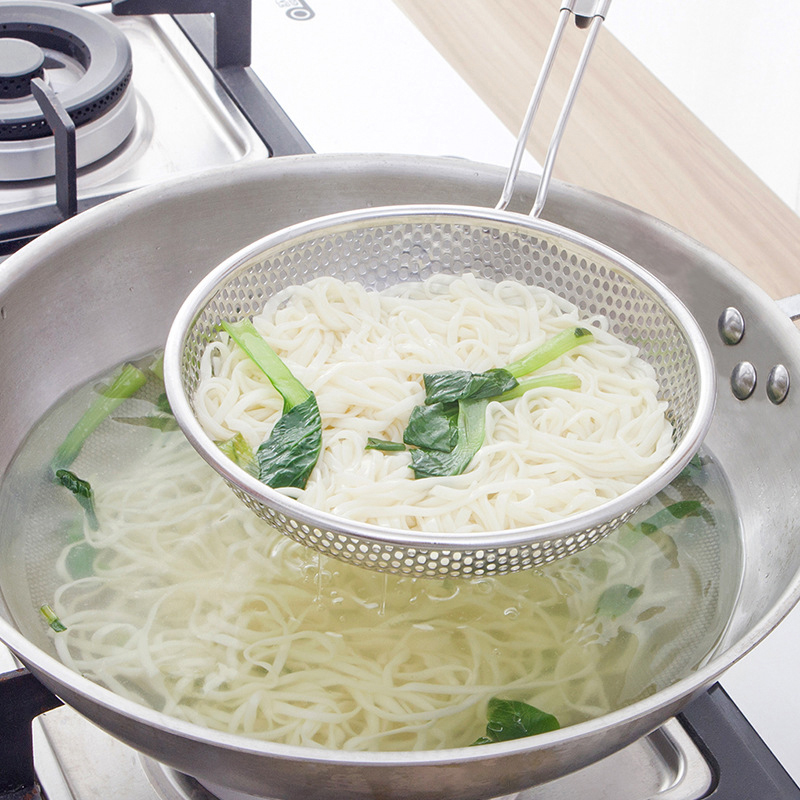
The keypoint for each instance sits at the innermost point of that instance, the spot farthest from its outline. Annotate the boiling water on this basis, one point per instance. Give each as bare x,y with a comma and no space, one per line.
183,600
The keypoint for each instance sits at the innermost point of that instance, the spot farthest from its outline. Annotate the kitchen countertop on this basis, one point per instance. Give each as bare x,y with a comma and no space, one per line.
629,138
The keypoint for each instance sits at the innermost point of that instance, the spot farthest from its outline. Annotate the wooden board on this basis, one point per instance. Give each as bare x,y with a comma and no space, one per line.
628,138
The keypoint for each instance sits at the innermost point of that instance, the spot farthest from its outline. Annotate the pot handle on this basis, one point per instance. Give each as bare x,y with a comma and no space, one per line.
790,306
588,13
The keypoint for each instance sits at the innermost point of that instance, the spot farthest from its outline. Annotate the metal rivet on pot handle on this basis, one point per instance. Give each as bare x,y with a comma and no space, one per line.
589,13
731,325
778,384
743,380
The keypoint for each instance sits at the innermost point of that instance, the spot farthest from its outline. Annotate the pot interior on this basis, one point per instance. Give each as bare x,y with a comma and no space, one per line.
105,287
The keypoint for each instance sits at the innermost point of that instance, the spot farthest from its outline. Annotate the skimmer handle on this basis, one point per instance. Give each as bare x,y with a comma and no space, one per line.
588,13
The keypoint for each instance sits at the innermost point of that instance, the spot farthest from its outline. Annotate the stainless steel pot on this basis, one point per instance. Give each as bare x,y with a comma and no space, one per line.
106,285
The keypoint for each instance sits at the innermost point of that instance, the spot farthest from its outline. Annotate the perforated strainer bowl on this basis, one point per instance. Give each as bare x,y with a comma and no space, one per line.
382,247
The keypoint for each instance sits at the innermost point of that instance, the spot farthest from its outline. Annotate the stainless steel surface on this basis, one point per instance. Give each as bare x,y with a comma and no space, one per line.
778,383
581,8
731,325
665,765
342,247
588,8
35,158
76,760
743,380
87,62
415,243
530,114
183,123
113,278
561,123
790,306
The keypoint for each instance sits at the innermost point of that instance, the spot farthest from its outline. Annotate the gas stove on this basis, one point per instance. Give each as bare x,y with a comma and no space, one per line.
140,96
177,93
134,100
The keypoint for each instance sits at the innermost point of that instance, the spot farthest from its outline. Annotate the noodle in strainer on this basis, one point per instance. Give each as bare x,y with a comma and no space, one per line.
392,246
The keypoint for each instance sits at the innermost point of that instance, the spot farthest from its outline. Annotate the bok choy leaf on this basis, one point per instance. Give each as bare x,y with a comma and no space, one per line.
239,451
513,719
450,428
433,427
52,619
448,387
82,490
384,445
430,463
125,385
289,454
617,599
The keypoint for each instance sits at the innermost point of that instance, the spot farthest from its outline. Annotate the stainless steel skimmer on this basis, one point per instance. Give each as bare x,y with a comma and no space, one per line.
380,247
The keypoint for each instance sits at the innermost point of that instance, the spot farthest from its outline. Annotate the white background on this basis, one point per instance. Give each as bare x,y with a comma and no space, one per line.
736,65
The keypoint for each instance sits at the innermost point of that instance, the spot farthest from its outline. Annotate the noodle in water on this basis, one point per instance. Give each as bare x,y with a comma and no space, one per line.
196,608
175,595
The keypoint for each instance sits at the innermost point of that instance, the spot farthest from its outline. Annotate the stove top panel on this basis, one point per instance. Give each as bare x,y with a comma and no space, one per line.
184,122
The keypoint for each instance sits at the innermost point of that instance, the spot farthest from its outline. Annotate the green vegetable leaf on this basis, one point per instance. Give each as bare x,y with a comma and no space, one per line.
290,452
125,385
384,445
550,350
450,428
238,451
448,387
617,599
244,333
513,719
80,560
555,380
162,404
52,619
433,427
679,510
694,469
471,432
72,530
82,491
157,366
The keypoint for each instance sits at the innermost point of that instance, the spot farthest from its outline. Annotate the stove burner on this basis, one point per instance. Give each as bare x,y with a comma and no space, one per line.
84,57
20,62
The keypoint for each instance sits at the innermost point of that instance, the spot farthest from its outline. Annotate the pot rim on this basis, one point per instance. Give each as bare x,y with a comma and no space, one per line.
672,697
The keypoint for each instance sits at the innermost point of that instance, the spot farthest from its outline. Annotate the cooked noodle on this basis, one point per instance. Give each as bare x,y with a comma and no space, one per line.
199,610
547,455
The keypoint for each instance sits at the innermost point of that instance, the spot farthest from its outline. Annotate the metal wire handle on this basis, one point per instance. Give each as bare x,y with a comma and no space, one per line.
588,13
